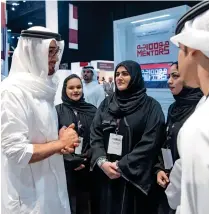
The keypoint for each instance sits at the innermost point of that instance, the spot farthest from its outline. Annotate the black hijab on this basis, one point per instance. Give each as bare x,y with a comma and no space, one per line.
80,106
185,104
126,102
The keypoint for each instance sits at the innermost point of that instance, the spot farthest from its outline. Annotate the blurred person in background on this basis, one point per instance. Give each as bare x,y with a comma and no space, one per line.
125,137
93,92
109,87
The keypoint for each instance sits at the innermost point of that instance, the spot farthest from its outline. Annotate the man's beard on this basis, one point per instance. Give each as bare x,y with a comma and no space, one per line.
87,79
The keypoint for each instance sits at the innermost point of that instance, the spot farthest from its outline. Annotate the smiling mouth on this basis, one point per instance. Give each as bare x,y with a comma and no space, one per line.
120,83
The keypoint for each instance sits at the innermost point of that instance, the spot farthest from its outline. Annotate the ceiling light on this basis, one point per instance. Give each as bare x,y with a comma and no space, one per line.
24,1
157,17
15,4
13,8
13,37
9,30
30,23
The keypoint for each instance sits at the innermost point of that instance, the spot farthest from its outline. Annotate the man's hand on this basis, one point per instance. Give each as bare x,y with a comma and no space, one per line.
110,170
69,139
162,179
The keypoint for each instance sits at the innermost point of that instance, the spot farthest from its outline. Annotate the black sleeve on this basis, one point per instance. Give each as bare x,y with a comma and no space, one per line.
58,110
143,157
159,163
96,136
159,166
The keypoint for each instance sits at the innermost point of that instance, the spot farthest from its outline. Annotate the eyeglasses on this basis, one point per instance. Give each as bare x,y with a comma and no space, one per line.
54,52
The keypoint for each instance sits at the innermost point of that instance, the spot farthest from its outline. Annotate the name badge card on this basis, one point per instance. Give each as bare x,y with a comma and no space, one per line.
115,144
167,158
78,149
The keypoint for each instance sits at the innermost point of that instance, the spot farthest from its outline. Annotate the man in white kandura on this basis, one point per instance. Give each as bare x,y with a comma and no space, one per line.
33,174
93,92
190,176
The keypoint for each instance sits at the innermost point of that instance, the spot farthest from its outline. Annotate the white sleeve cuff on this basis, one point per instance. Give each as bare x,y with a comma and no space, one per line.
26,156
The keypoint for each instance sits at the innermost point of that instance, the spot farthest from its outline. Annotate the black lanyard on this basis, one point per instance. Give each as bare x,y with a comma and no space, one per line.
117,128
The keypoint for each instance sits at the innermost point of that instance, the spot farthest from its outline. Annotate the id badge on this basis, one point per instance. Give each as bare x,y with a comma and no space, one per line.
167,158
78,149
115,144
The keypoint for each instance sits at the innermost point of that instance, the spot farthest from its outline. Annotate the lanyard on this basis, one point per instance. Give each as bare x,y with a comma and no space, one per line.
79,125
117,128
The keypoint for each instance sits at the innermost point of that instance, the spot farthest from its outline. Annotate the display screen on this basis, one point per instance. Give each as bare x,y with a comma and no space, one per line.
155,72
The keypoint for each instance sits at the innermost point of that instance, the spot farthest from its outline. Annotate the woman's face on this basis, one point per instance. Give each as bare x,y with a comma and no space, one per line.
74,89
122,78
174,82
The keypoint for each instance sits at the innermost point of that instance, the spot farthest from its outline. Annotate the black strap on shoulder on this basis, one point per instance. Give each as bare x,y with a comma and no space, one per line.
40,34
191,14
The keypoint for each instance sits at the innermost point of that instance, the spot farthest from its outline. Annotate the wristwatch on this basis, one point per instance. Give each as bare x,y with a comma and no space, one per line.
101,161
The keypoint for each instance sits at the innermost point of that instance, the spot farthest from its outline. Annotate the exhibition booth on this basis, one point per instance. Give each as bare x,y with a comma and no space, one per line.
104,68
146,39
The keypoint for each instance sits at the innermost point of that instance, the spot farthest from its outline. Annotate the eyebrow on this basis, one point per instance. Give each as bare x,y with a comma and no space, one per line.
121,71
174,72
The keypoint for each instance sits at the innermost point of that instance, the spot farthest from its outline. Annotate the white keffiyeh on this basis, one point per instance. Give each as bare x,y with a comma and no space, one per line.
195,34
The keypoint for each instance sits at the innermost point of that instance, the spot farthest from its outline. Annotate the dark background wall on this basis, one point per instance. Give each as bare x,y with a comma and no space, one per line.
95,24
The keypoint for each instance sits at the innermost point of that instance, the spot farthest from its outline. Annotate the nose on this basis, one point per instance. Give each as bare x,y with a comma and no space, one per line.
54,59
120,76
170,81
85,72
57,58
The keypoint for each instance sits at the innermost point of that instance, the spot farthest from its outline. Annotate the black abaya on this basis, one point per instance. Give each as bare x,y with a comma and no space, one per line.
184,105
142,127
79,183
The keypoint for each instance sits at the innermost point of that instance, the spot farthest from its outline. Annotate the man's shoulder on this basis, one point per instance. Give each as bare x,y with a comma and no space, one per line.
13,97
12,91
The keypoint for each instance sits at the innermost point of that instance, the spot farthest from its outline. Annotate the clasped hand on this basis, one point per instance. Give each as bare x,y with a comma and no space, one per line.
110,169
69,139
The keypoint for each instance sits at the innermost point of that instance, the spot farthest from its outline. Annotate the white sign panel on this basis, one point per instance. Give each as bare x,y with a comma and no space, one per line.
152,42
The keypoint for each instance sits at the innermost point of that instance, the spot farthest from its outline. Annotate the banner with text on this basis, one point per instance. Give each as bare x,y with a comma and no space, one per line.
152,42
155,75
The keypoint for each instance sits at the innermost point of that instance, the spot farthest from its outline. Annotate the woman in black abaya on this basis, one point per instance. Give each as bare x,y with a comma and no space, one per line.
125,138
186,100
75,110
